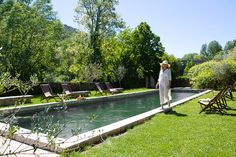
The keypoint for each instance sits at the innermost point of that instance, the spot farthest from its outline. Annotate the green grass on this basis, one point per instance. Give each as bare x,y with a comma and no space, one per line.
136,90
184,132
37,98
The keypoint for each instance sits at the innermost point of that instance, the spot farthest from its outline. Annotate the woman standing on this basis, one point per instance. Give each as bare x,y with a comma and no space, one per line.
164,83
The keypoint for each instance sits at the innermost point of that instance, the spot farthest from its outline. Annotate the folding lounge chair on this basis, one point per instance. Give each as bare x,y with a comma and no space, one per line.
101,88
217,103
229,93
47,92
113,90
67,90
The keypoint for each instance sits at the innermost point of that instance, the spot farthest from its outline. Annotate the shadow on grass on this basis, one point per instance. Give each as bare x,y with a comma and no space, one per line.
232,109
172,112
223,114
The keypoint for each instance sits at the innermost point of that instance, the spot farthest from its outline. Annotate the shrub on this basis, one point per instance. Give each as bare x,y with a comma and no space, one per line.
213,74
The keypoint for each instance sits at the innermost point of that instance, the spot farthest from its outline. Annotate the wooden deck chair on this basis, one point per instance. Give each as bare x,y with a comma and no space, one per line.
67,90
217,103
47,92
222,100
101,88
229,93
111,89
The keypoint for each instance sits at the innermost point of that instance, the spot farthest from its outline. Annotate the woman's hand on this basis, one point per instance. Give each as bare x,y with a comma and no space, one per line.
157,85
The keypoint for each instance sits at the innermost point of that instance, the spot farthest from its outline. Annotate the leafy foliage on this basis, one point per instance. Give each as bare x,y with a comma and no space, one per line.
213,74
42,122
193,57
86,73
231,54
7,83
141,52
230,45
29,35
188,66
100,20
73,52
210,50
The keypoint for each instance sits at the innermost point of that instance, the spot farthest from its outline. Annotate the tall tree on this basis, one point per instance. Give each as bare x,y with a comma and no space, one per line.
211,50
147,48
141,54
230,45
214,48
204,52
99,19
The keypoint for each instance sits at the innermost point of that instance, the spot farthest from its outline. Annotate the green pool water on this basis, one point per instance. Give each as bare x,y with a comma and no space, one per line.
79,117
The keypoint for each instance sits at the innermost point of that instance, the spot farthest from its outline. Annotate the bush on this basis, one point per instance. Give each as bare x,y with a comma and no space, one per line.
213,74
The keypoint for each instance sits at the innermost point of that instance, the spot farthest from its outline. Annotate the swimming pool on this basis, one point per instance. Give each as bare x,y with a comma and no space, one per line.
105,112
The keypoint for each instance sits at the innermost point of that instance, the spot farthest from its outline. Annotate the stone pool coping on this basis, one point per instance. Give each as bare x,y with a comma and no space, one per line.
93,136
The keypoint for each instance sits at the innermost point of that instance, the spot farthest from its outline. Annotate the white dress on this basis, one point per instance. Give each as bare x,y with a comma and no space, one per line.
164,90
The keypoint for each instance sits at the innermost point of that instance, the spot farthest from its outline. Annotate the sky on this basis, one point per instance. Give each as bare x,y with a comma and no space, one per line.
183,25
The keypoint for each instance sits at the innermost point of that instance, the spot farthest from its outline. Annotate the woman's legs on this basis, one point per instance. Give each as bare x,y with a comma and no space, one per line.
162,95
165,97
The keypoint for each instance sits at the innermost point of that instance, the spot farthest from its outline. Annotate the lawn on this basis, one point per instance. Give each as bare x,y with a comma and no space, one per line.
183,132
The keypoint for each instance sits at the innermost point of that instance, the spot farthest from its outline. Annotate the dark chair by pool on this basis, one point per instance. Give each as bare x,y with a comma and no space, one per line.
74,94
216,103
113,90
101,88
47,92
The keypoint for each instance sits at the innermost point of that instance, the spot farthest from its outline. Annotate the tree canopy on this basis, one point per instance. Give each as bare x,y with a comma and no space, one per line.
99,19
210,50
29,32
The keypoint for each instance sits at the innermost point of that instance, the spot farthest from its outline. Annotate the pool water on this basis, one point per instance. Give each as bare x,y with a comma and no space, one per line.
79,117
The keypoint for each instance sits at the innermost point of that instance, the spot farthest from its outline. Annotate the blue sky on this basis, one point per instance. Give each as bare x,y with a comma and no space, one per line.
183,25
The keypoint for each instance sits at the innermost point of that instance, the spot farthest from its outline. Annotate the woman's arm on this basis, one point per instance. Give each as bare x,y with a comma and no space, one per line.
169,77
157,84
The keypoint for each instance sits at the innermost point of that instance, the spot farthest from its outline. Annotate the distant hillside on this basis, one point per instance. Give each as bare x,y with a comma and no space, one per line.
69,30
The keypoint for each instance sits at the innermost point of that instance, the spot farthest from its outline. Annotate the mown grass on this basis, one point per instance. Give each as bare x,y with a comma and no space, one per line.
183,132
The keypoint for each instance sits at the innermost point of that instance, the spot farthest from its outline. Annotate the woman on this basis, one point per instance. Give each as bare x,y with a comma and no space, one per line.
164,83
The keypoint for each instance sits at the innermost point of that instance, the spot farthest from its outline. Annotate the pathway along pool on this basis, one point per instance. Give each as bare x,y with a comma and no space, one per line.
91,116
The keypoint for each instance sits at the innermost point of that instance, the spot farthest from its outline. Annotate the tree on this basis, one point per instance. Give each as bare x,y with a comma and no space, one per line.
73,51
29,32
192,57
120,73
231,54
147,48
87,73
214,48
188,66
112,49
141,53
230,45
211,50
99,19
203,51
